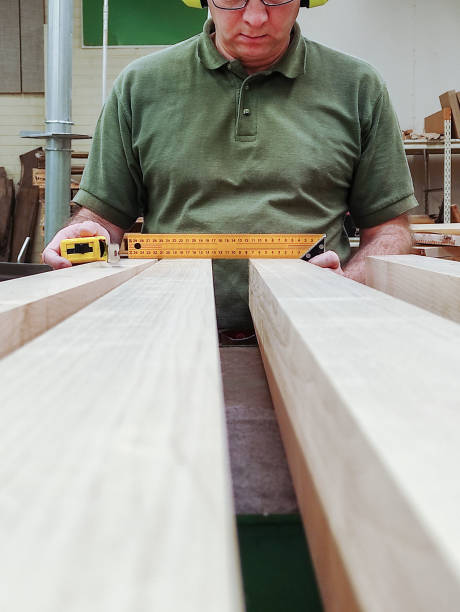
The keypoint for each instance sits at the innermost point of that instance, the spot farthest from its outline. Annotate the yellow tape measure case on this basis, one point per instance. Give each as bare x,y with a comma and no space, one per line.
84,250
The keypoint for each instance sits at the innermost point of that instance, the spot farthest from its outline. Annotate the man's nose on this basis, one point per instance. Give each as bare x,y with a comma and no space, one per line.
255,13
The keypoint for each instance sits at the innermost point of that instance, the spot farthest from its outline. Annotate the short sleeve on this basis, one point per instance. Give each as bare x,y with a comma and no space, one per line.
112,184
382,186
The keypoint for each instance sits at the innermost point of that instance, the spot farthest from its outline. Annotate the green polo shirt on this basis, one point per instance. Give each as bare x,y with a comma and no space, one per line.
193,143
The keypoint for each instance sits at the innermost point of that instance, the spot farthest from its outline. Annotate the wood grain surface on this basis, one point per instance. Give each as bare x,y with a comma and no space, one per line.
367,393
115,488
32,304
436,228
427,282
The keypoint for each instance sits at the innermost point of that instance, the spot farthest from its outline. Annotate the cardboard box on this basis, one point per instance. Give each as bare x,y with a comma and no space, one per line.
434,124
449,100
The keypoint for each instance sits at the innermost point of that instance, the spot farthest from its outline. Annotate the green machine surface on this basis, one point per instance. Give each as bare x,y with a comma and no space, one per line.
142,22
277,570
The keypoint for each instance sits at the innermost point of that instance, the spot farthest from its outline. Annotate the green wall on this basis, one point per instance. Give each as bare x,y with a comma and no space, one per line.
141,22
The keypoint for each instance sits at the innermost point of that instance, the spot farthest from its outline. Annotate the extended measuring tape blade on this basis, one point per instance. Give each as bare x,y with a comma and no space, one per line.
222,246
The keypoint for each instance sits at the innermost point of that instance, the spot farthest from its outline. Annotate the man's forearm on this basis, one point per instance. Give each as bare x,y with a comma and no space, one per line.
392,238
84,214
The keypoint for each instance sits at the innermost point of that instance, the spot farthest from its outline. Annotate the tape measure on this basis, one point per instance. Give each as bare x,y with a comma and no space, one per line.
89,249
224,246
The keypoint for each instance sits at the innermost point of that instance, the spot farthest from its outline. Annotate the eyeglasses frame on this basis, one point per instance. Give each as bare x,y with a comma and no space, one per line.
240,8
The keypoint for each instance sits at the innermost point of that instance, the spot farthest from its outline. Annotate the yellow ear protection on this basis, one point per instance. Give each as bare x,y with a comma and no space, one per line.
203,3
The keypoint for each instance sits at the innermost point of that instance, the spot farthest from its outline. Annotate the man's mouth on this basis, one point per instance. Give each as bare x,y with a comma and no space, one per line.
252,37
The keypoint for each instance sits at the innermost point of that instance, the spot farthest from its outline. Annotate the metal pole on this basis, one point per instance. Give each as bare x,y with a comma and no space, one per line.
105,31
447,113
58,114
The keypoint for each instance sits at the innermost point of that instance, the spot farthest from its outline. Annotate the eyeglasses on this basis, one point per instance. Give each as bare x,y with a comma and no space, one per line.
237,5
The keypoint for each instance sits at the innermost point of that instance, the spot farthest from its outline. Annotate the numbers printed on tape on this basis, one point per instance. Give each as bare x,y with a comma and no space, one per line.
220,246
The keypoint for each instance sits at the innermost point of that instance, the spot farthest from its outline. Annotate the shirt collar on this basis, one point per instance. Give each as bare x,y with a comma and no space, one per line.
292,64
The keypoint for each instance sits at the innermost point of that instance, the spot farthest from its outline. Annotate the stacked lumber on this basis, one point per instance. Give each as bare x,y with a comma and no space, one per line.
115,478
366,392
437,239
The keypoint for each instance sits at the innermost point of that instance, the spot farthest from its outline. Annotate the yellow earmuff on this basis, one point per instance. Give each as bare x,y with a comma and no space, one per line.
203,3
195,3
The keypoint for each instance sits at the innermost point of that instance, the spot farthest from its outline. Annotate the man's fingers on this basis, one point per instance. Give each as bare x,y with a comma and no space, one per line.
52,253
54,260
329,259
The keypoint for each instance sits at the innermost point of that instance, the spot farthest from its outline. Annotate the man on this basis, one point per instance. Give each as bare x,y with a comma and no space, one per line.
248,128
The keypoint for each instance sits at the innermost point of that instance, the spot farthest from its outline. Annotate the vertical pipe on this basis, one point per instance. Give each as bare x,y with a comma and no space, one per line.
105,31
58,114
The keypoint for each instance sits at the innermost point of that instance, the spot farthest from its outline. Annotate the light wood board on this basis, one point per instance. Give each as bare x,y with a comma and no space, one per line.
114,470
32,304
367,395
444,252
427,282
436,228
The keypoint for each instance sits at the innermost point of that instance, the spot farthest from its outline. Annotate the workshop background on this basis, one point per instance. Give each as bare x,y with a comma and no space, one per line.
413,44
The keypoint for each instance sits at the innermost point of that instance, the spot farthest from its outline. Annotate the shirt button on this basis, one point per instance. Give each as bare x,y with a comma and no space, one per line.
246,87
246,112
229,67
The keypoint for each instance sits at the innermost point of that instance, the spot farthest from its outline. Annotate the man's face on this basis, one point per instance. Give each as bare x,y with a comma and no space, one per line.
257,35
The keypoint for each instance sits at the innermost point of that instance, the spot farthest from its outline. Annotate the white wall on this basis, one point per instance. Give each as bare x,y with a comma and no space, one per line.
414,44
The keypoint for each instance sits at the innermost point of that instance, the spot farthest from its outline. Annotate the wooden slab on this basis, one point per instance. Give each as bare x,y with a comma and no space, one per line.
25,218
115,476
439,251
436,228
6,212
367,395
31,305
427,282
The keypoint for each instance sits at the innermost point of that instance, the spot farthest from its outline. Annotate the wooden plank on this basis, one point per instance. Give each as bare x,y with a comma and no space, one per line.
31,305
436,228
27,204
6,213
449,100
447,240
115,476
439,251
371,430
25,219
32,46
10,49
427,282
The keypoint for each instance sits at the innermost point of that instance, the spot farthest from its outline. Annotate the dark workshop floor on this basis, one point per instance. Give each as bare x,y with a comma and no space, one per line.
277,571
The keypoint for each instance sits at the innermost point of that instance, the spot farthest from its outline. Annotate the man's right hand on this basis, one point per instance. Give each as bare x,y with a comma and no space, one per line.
52,253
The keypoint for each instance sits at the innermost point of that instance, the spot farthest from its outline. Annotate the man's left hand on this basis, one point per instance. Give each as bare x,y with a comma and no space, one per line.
329,260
